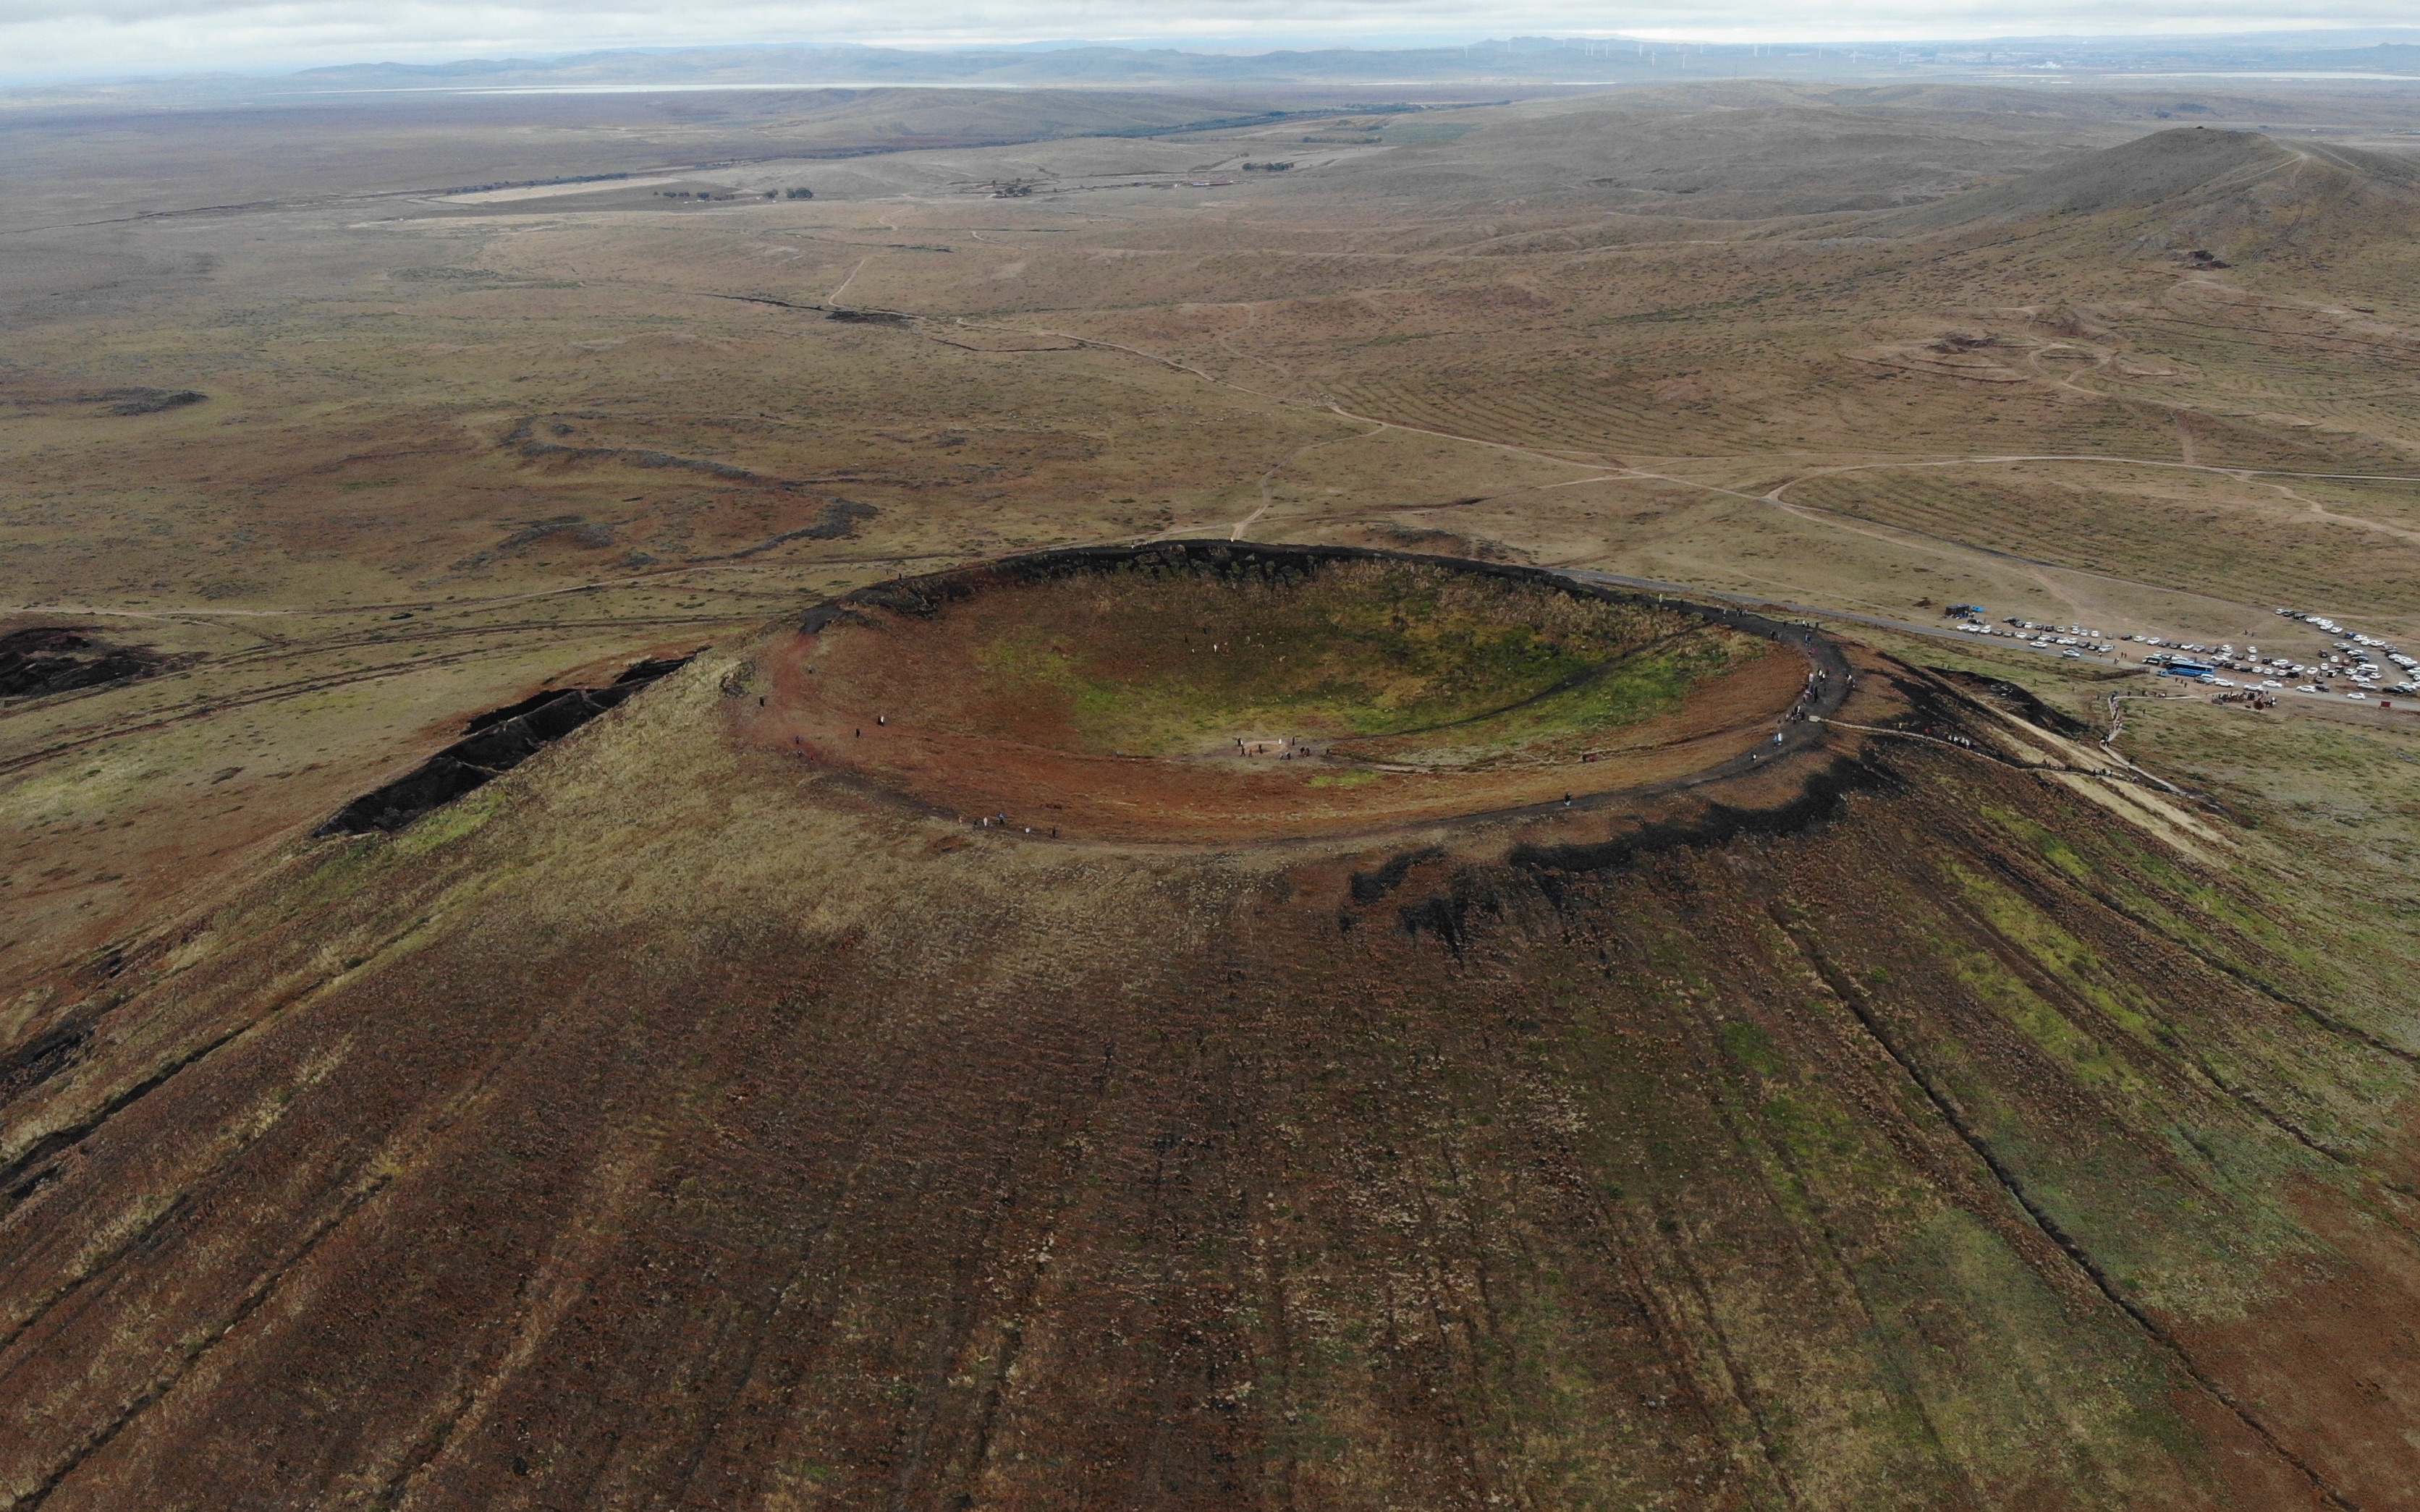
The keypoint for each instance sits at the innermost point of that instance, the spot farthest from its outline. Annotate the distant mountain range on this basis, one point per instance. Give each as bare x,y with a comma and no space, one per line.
1513,61
1520,58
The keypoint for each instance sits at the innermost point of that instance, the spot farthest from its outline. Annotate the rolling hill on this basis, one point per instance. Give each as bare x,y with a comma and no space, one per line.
2208,192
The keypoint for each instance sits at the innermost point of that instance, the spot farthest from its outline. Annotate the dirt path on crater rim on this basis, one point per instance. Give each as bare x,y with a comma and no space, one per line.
847,718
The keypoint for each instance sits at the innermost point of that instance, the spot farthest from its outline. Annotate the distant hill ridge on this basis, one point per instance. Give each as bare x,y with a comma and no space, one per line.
2215,195
1533,59
2146,171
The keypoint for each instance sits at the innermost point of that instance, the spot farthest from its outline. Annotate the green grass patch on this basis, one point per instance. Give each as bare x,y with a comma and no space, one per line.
1345,780
1395,661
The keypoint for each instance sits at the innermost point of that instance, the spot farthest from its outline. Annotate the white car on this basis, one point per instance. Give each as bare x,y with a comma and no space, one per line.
2363,696
2308,687
2221,682
2270,682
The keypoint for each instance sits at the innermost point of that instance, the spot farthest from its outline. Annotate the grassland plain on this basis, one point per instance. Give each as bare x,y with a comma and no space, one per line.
677,1120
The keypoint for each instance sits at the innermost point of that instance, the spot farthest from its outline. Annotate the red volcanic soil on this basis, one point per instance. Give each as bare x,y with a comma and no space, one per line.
912,697
682,1122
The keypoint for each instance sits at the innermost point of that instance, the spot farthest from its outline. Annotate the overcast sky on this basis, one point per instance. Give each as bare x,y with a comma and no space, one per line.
65,39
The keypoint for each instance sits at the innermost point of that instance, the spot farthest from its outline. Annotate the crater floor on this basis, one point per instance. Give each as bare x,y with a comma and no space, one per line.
1211,691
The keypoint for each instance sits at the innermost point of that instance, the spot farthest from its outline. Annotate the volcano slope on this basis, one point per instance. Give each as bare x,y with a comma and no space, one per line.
694,1118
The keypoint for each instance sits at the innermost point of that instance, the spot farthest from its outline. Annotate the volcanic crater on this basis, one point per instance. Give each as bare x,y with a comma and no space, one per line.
1212,691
